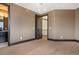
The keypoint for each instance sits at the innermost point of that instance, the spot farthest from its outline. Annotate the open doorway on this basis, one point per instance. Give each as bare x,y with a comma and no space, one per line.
44,27
4,16
41,27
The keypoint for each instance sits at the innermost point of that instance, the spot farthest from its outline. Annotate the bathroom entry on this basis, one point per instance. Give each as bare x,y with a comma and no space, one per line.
41,27
3,25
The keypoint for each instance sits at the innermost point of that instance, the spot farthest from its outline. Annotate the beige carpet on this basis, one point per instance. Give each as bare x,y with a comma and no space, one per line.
42,47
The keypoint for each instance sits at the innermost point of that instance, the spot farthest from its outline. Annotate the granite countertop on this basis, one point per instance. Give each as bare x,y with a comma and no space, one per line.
4,31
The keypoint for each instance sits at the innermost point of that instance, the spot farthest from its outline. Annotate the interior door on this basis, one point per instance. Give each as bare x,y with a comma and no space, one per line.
38,27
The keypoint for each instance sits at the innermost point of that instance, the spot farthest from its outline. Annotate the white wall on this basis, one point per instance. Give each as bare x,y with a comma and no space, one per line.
77,24
22,24
61,24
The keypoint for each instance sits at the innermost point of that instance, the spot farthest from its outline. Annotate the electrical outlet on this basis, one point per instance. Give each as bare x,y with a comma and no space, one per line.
21,38
61,37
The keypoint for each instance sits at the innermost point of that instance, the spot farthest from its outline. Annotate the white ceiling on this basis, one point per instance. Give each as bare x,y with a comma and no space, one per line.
46,7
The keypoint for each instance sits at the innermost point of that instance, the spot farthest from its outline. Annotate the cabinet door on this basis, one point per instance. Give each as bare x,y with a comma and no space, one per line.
2,37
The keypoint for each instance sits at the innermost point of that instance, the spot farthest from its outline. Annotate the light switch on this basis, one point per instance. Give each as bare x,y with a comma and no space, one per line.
61,37
21,38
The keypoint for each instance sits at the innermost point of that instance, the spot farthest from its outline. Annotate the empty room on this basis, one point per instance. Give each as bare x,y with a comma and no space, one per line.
39,28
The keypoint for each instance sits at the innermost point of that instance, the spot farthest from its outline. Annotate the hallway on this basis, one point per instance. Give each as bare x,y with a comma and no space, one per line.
42,47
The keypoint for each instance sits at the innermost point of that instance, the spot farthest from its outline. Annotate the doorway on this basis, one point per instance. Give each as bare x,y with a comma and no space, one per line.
4,22
44,27
41,27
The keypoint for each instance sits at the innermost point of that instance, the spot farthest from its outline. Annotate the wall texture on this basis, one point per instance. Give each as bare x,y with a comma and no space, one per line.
22,24
61,24
77,24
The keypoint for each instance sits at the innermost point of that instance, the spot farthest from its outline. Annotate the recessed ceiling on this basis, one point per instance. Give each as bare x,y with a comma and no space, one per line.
3,7
46,7
3,10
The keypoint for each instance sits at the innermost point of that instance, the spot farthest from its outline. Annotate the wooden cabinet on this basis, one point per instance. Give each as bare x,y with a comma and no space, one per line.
3,36
3,29
5,23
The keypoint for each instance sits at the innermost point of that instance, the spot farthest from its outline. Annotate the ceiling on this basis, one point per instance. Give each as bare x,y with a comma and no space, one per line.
3,7
46,7
3,10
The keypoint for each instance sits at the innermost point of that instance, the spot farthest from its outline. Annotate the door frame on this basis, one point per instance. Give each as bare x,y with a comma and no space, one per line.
41,23
47,25
8,21
36,26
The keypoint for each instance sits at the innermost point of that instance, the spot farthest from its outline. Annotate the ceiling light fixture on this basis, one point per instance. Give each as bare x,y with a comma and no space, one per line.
40,7
40,4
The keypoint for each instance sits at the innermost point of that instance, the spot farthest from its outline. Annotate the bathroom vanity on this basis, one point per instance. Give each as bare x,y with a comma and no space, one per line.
3,29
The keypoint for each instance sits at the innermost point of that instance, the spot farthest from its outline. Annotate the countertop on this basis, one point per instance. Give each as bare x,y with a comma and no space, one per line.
4,31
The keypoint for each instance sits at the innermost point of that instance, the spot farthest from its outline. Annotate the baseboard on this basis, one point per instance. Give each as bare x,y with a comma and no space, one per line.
22,41
64,40
48,39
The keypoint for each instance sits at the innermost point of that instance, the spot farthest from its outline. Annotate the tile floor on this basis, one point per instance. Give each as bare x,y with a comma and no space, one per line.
42,47
4,44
